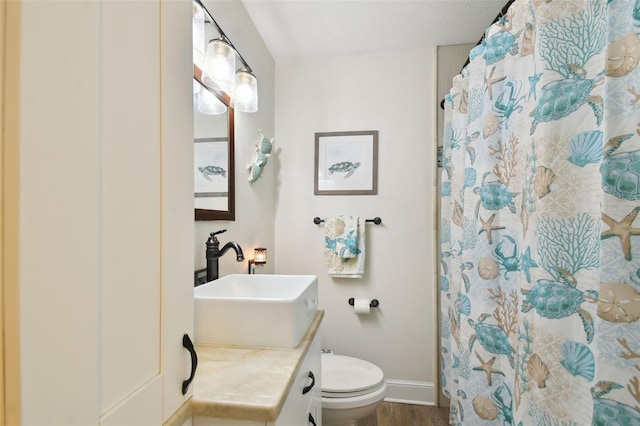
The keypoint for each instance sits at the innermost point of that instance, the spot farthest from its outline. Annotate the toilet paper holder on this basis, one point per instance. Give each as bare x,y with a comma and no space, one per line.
374,302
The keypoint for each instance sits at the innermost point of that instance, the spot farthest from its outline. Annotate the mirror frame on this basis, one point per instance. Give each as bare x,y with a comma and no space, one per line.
230,213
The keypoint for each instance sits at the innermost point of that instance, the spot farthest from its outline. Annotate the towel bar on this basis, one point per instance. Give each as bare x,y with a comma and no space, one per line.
375,220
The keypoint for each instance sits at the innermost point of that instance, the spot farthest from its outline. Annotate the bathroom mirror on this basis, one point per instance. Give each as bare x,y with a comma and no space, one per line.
214,183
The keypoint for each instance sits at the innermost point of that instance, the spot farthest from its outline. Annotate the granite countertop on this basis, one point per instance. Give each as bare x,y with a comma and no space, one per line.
245,382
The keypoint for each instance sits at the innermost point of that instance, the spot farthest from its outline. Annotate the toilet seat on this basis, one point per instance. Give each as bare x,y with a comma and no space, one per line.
347,377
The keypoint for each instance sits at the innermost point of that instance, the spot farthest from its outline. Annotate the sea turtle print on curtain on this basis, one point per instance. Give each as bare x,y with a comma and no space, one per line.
540,246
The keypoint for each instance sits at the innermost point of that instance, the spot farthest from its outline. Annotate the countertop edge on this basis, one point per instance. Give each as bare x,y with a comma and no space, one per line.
202,406
181,415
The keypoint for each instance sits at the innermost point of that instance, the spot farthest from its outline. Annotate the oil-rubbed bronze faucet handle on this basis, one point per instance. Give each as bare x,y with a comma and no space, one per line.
218,232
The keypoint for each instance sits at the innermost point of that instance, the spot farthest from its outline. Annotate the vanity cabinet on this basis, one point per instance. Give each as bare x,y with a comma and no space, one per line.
304,398
260,377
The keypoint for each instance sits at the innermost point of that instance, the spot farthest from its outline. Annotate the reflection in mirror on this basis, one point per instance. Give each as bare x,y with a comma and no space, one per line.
214,184
215,78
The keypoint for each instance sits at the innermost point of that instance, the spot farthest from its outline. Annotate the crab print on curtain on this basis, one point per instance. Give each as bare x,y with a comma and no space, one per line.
540,246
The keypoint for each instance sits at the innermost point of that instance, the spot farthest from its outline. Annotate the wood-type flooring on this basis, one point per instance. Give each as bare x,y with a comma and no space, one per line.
394,414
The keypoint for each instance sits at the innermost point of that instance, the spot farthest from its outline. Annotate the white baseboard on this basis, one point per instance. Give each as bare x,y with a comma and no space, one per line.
411,392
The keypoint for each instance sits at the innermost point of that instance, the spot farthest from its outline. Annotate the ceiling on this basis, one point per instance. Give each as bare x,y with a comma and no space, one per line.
293,29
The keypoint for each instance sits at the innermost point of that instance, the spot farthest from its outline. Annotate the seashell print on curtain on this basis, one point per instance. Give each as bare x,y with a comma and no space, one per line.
540,240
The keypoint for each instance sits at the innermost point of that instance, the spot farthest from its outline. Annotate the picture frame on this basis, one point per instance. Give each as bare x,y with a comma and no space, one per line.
211,173
346,163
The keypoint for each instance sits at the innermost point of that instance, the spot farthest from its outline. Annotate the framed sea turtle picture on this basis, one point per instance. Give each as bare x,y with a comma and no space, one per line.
346,163
211,173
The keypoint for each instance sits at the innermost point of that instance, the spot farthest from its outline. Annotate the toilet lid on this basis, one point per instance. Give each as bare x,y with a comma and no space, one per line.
344,374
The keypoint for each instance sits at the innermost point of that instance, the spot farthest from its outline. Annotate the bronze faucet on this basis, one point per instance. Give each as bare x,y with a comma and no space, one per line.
214,253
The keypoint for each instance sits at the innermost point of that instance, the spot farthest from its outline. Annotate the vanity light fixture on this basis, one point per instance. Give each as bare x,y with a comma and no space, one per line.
208,103
220,64
219,67
259,259
245,95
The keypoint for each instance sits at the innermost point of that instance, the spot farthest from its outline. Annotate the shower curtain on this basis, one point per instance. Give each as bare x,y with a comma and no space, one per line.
540,246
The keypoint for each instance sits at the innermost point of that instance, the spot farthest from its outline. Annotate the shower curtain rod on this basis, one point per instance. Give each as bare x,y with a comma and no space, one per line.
502,13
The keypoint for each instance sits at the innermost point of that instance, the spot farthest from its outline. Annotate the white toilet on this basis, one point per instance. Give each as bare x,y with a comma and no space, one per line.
352,389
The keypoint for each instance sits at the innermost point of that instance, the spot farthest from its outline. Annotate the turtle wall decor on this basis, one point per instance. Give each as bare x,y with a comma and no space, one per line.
263,149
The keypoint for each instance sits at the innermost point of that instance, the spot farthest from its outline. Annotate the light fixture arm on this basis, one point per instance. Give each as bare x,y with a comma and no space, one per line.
223,35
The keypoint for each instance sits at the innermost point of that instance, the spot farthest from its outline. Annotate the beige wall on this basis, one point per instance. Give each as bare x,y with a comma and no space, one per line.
392,93
253,226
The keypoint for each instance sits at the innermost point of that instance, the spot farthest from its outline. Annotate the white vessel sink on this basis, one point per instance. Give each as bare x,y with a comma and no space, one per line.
255,310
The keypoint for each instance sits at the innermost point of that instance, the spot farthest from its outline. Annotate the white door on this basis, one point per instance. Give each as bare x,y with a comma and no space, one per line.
106,217
146,291
131,214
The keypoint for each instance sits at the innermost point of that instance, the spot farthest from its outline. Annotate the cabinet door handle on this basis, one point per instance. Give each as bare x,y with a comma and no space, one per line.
188,344
312,420
306,389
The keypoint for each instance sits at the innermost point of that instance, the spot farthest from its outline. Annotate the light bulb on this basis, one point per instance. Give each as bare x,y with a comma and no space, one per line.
245,92
242,93
220,64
